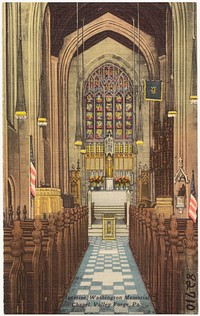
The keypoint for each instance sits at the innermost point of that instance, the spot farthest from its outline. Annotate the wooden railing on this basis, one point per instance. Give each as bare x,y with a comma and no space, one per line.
166,253
41,258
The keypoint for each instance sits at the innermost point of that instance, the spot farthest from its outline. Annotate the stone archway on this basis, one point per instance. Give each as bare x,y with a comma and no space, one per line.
106,22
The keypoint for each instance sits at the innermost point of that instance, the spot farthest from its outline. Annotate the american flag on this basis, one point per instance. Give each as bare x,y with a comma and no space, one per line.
32,169
193,202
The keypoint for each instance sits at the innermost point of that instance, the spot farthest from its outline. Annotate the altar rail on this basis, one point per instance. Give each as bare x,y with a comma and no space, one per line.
41,258
166,253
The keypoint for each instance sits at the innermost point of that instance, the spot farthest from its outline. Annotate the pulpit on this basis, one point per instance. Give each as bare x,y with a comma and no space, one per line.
47,200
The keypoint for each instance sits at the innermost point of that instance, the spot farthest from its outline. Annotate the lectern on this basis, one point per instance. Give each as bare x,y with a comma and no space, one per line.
108,226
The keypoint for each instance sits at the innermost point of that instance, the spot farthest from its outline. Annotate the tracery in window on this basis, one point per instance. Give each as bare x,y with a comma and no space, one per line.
109,104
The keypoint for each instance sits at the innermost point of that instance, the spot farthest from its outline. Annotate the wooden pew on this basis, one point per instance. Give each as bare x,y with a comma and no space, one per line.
44,259
160,246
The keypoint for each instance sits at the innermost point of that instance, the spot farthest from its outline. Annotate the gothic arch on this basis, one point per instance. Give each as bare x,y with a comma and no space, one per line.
118,60
11,183
109,22
106,22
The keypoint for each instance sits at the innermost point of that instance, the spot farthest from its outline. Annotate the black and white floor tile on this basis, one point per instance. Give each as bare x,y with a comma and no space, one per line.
108,282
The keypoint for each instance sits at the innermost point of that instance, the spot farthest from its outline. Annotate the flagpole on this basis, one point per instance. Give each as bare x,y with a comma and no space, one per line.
193,205
32,175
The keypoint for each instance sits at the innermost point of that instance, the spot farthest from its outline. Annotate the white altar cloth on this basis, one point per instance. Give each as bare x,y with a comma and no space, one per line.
109,198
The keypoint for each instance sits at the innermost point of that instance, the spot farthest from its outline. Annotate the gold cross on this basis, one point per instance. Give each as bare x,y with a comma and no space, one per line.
153,90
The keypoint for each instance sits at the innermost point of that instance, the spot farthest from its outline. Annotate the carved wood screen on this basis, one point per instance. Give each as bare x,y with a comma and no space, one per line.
75,184
109,108
161,155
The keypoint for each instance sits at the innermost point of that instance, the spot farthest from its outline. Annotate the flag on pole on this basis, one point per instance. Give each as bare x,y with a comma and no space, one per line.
193,202
32,169
152,90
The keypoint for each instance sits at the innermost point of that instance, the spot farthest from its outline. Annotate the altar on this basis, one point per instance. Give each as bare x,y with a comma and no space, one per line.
105,201
109,198
109,167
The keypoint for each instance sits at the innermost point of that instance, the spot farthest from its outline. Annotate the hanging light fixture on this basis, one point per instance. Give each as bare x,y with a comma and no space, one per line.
139,141
78,138
20,112
139,134
42,121
193,85
135,150
172,112
83,148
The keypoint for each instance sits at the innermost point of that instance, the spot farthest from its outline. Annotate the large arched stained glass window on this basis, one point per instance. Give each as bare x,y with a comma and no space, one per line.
109,104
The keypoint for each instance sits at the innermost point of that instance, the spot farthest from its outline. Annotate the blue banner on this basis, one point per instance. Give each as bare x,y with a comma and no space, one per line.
152,90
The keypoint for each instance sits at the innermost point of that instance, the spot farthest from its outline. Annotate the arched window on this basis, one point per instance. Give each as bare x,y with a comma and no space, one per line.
110,114
109,104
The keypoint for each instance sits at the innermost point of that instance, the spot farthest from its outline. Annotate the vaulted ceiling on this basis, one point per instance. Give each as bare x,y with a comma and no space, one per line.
152,21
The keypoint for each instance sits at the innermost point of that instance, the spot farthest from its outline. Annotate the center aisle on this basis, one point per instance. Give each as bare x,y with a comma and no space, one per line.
108,282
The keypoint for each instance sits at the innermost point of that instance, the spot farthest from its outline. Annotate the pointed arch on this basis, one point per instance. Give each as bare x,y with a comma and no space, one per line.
11,192
122,63
105,22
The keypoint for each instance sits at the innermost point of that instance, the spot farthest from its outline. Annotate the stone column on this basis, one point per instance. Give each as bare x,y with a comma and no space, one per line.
55,123
185,123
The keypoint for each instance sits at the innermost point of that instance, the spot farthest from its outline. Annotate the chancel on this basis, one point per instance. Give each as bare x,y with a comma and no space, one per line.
100,158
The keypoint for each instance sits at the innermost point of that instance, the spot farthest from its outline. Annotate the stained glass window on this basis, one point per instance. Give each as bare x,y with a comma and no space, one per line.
109,104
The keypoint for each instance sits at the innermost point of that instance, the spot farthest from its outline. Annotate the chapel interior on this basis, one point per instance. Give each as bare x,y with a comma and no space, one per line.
99,145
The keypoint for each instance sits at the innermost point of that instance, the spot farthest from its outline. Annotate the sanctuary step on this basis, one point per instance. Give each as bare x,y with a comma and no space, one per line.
118,211
97,228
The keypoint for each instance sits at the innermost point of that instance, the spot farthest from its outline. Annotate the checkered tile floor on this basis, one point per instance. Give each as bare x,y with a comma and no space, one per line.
108,282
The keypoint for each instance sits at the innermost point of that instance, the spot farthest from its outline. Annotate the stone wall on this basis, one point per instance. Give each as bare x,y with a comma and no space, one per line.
107,50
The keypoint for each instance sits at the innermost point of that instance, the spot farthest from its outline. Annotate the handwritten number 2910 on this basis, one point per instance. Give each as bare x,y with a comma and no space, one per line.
190,295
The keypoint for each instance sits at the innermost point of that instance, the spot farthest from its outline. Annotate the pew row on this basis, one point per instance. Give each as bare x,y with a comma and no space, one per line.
41,258
166,253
